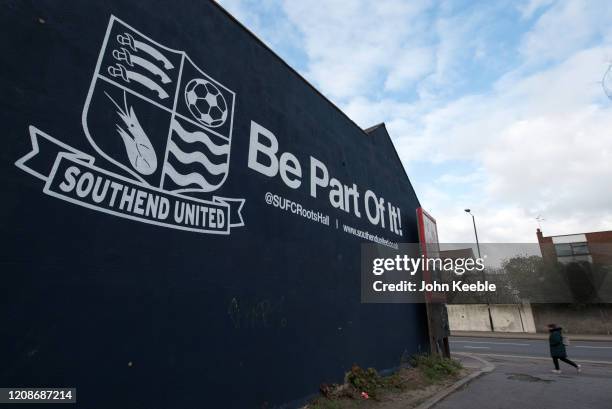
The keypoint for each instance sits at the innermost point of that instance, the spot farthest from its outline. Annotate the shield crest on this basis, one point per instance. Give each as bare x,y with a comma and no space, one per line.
152,112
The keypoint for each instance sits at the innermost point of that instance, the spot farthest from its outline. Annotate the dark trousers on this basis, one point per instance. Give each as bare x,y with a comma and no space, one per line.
567,361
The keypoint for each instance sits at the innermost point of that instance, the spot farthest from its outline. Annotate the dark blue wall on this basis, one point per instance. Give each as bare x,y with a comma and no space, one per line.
264,314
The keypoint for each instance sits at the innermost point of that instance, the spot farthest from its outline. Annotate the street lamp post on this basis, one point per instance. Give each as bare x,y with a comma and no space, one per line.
468,211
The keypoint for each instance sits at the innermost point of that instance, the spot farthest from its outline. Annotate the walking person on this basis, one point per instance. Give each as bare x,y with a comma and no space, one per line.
557,348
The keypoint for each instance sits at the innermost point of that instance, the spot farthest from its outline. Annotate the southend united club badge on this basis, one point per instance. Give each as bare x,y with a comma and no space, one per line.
167,127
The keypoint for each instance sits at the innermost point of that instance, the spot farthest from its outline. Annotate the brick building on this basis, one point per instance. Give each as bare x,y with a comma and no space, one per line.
590,312
594,247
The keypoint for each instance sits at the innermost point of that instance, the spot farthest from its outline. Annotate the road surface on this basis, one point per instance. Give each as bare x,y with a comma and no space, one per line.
522,376
577,350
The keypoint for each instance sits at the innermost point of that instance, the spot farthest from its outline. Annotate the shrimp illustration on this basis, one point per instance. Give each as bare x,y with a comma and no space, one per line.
137,145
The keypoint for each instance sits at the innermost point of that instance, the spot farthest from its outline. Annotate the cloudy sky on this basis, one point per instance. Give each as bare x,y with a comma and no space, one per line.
496,106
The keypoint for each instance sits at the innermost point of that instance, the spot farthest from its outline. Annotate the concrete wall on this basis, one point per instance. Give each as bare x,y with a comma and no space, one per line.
506,318
527,317
512,318
574,318
472,317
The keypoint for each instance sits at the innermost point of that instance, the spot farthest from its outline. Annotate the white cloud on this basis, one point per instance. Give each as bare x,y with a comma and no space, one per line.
538,138
350,45
266,20
565,27
409,66
460,179
552,164
529,8
542,142
544,146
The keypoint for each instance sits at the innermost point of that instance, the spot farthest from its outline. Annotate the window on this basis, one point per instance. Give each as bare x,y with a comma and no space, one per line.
571,249
580,249
563,250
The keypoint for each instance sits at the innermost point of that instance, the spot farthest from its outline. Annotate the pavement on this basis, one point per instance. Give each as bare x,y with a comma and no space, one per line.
478,367
522,376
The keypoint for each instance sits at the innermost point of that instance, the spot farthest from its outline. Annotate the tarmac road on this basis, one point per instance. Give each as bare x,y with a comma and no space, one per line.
526,383
577,350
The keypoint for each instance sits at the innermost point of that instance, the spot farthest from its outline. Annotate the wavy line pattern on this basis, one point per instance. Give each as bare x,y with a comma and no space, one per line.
197,157
189,179
199,136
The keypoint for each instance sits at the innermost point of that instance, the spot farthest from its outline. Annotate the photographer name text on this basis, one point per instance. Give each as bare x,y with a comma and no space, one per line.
423,286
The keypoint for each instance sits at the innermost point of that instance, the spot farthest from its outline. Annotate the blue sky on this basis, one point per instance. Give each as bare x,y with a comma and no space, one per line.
496,106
